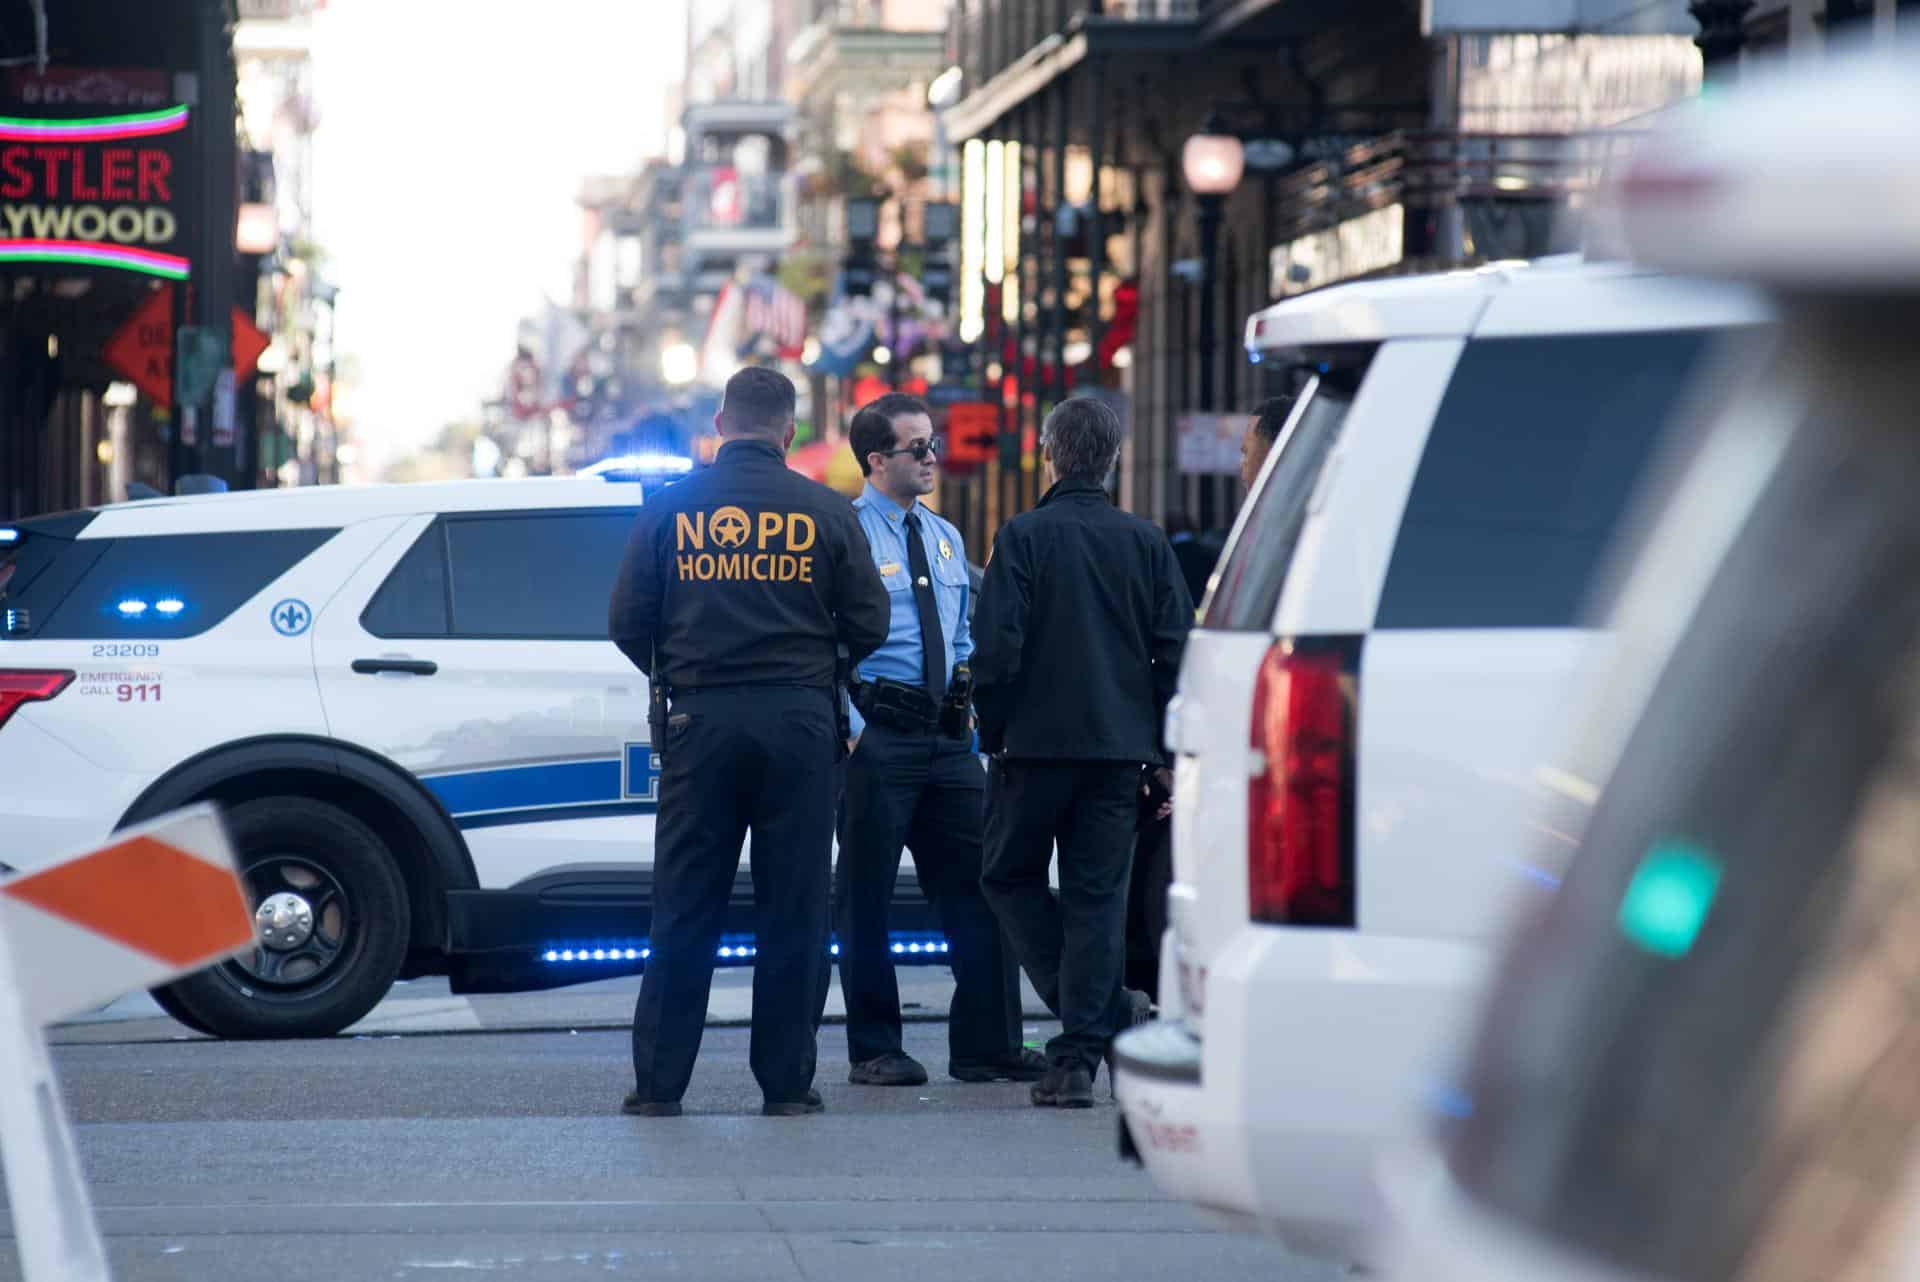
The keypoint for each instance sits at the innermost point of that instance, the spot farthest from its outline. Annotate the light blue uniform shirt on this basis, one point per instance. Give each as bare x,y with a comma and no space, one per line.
899,657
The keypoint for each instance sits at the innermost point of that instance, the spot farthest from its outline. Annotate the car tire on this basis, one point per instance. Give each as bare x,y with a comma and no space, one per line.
170,1003
332,920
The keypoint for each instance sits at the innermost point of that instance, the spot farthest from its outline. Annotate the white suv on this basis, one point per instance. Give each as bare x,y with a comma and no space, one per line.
1369,713
431,758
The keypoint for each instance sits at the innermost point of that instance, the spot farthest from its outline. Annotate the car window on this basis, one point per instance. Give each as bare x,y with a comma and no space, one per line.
413,602
1253,571
167,586
539,575
1538,445
40,562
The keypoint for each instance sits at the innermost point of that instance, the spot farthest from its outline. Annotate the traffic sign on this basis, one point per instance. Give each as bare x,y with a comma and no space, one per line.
972,427
142,349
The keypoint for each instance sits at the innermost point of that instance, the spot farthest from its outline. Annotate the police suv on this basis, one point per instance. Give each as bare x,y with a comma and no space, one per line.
430,758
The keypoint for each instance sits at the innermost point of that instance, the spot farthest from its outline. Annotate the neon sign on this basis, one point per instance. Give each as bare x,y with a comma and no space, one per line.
101,192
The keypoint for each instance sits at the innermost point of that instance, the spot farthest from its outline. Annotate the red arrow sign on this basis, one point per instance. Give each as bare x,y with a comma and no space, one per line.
142,350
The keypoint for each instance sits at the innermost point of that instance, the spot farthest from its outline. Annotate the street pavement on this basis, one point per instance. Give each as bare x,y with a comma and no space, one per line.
427,1006
437,1154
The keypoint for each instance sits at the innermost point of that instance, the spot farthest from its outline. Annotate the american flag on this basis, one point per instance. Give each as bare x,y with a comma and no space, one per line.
778,313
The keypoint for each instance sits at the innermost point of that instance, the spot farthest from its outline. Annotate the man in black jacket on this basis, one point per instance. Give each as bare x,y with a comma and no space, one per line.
739,586
1078,636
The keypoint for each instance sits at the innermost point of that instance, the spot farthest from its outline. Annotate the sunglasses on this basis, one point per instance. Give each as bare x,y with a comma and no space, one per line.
922,450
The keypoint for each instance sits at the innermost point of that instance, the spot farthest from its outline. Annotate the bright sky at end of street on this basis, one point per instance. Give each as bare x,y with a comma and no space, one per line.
453,137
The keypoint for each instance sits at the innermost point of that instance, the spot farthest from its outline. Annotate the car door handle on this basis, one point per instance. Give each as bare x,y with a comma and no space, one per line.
414,667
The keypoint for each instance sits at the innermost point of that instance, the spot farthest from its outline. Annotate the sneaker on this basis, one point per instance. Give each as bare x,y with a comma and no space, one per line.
634,1106
1016,1066
1066,1085
1139,1007
897,1069
795,1108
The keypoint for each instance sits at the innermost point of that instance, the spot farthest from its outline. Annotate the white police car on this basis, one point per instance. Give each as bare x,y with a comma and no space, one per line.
430,757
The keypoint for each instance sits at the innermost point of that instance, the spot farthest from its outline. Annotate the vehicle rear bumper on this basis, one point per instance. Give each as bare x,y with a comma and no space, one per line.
1319,1049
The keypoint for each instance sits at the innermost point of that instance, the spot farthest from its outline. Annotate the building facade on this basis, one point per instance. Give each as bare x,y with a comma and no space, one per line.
1368,140
161,308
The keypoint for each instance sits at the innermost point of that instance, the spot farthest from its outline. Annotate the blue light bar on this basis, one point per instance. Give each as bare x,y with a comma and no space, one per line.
651,463
132,607
8,534
170,606
733,948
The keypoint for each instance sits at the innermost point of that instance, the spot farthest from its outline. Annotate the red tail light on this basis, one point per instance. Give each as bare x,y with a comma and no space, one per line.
1299,809
17,687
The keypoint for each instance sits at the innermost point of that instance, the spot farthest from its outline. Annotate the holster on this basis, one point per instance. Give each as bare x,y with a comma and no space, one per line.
657,695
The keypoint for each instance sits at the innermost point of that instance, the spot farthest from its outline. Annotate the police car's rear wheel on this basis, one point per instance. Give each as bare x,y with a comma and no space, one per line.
330,925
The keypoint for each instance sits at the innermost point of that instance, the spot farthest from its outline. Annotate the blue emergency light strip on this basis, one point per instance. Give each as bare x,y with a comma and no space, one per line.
9,535
732,948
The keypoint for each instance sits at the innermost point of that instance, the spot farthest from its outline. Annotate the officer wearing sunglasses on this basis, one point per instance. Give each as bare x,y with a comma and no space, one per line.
914,781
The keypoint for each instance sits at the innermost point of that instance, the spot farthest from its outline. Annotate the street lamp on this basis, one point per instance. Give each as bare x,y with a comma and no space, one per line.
679,364
1213,161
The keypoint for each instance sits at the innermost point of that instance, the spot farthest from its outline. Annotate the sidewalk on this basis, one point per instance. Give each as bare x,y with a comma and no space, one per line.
424,1006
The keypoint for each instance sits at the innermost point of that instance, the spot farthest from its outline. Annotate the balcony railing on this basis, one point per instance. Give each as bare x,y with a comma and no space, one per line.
1437,168
726,210
1148,10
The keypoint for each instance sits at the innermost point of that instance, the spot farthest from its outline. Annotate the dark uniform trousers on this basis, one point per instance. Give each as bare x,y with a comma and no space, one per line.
925,791
759,758
1074,947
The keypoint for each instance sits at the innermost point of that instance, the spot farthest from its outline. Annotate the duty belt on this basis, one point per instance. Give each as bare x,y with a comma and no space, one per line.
896,704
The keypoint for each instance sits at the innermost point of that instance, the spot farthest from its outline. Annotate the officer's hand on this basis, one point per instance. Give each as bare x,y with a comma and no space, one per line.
852,744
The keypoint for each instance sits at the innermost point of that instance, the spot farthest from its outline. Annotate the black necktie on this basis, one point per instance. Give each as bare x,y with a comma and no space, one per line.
933,642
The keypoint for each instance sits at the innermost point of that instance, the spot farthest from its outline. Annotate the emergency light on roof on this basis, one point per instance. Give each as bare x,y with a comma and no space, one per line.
9,535
648,464
1803,176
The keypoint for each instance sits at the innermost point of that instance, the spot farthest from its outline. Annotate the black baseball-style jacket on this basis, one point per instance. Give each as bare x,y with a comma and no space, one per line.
1077,639
747,573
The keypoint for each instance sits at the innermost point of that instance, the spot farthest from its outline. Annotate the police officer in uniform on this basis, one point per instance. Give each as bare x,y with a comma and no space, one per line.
740,586
914,779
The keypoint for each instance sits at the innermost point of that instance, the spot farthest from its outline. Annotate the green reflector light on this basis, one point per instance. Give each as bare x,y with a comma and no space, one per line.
1668,901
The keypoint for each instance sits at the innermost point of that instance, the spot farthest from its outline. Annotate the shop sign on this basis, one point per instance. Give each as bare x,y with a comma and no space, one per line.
98,191
1370,243
62,88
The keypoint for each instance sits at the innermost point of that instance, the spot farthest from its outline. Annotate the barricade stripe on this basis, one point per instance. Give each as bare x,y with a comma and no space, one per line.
150,896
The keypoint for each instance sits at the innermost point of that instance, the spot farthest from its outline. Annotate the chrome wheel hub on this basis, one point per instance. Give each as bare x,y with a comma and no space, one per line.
283,922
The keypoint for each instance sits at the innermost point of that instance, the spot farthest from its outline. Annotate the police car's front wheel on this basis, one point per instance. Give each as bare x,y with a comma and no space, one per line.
330,925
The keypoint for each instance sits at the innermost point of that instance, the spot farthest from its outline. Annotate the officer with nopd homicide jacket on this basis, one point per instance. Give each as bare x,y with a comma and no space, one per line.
740,587
914,779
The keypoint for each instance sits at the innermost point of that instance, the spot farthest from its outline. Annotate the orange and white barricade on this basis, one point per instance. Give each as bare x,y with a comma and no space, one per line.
160,901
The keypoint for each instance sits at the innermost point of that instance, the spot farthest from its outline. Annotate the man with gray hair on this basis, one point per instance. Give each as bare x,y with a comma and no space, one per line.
1077,641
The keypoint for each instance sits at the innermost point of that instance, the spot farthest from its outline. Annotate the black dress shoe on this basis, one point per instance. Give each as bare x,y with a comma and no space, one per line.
795,1108
1064,1086
1018,1066
896,1069
634,1106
